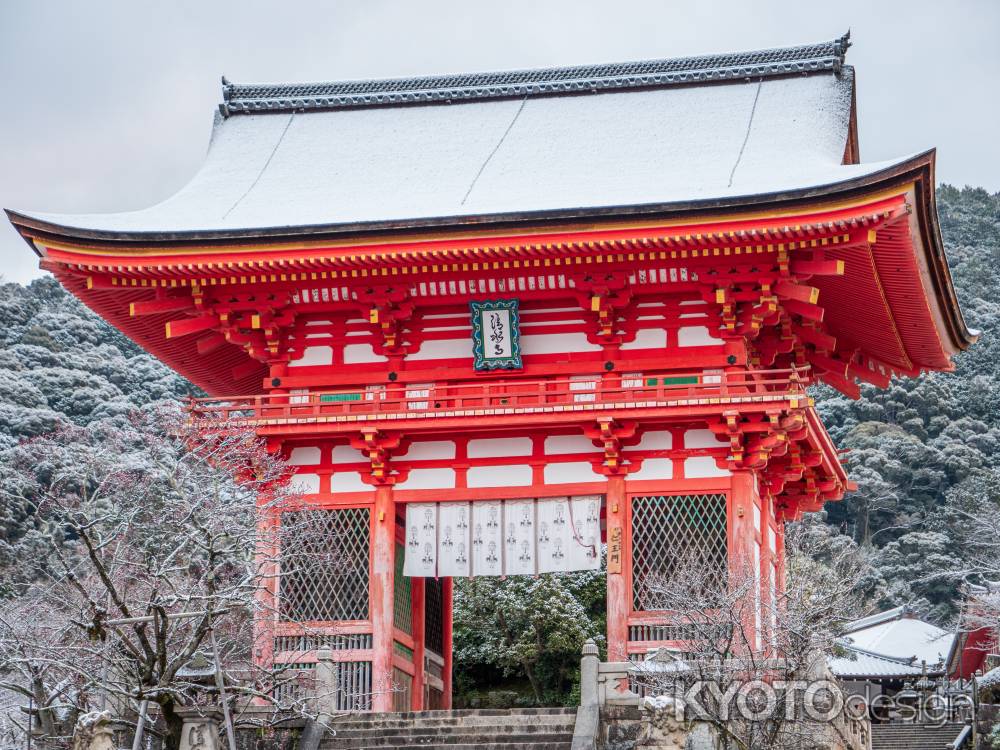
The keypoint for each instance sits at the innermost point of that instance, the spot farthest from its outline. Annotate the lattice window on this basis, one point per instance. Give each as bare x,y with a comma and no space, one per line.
352,686
402,599
324,573
672,528
311,642
433,615
402,684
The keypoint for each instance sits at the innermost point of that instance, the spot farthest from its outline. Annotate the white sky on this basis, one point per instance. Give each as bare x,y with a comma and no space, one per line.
107,105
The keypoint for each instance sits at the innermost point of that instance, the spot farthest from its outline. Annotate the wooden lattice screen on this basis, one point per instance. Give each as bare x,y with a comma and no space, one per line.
433,615
402,596
324,575
669,529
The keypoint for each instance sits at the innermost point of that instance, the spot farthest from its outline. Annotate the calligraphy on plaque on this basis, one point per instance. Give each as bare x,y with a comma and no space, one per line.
615,549
496,335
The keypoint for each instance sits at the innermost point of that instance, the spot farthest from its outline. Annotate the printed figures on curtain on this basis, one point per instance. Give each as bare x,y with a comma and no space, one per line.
453,539
513,537
568,534
496,335
421,540
519,537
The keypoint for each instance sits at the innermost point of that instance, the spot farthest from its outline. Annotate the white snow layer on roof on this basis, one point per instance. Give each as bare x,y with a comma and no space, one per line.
653,146
857,664
905,638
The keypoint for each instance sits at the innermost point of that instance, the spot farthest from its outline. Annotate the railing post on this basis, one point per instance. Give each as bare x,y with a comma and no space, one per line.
326,697
588,674
588,716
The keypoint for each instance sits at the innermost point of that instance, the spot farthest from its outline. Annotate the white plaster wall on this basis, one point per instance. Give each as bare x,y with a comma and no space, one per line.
556,343
305,456
654,468
348,481
307,484
518,475
696,336
345,454
443,349
361,353
703,467
573,471
556,445
655,440
499,447
428,479
314,355
429,450
702,439
647,338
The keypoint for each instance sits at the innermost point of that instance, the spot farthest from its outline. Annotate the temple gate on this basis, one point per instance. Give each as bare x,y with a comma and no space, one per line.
499,321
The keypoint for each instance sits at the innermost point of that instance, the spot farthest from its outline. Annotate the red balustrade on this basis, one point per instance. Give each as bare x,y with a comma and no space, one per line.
583,392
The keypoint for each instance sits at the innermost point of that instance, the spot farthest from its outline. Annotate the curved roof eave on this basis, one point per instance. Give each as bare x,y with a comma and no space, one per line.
907,167
917,170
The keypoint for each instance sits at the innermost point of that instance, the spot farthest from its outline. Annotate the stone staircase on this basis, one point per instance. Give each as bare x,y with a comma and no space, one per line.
471,729
914,736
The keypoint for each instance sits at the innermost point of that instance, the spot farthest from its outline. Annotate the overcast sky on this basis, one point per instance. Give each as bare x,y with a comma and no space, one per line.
107,105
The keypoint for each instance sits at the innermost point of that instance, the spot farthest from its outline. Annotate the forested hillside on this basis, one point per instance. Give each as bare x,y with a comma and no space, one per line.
919,450
924,447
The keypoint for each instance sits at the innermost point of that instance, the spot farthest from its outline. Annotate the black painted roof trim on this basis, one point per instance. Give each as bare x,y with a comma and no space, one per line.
784,61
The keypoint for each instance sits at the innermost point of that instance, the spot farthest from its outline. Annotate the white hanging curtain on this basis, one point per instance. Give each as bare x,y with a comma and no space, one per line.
421,540
519,537
453,540
512,537
487,538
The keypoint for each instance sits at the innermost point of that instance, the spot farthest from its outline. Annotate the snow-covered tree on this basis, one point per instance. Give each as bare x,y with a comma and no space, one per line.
729,651
530,626
145,547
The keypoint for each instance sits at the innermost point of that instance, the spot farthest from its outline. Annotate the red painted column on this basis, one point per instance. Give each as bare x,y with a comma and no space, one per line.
741,539
447,590
267,554
417,592
619,560
383,549
779,555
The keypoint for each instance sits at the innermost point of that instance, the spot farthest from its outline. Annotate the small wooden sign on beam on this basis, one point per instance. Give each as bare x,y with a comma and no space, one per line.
615,549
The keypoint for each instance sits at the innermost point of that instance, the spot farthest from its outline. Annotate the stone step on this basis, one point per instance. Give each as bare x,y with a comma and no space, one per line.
914,736
484,729
463,729
452,721
547,711
491,746
465,739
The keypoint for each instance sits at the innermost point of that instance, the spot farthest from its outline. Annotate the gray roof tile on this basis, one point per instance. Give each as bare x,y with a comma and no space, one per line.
784,61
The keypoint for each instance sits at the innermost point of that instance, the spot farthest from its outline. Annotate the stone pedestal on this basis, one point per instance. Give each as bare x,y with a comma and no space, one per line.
94,731
201,728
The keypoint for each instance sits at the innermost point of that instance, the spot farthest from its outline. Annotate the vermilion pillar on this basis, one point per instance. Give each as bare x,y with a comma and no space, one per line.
742,558
419,604
383,549
447,591
618,561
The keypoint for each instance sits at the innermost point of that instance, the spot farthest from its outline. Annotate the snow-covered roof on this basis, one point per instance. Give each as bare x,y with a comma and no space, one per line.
876,619
858,663
903,638
989,680
607,139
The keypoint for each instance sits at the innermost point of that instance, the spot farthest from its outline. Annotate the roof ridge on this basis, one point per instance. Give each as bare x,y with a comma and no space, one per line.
879,618
777,61
908,661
